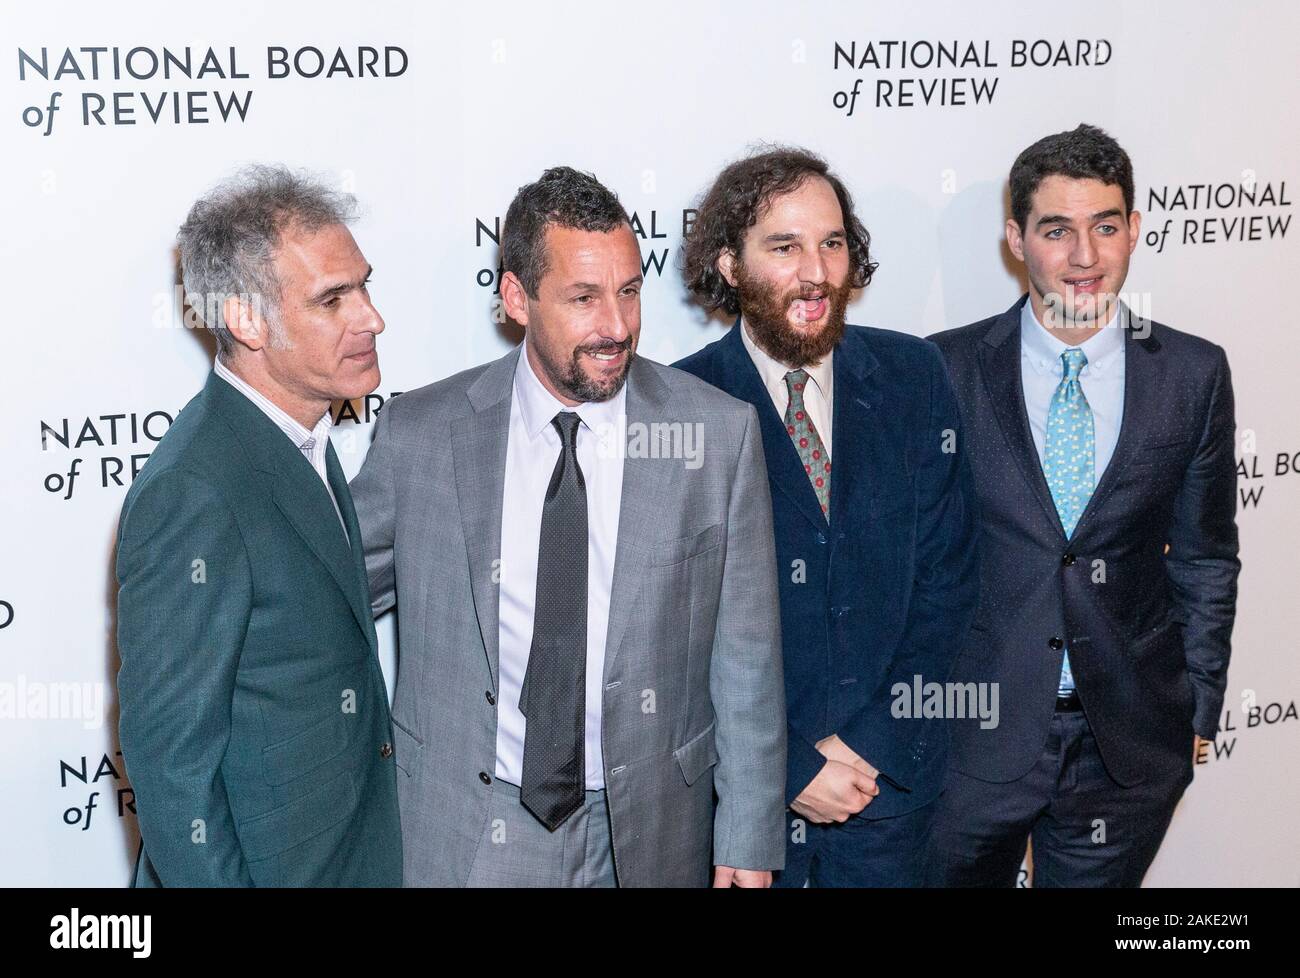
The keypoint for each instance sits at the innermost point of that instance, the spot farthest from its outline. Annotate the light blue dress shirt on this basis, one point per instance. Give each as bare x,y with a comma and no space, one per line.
1102,381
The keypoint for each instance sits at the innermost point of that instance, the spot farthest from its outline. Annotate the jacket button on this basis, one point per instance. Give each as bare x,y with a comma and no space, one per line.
1055,644
386,751
1068,560
483,776
490,698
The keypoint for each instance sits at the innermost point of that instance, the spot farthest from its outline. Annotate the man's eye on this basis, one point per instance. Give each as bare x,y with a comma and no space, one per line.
630,291
1107,229
331,302
583,300
837,243
1055,233
783,249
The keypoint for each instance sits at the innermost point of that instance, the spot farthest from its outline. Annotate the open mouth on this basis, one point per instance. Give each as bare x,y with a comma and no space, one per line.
809,308
606,356
1086,286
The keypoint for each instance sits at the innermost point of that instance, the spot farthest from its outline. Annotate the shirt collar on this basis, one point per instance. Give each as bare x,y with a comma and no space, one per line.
538,406
286,422
1043,350
773,371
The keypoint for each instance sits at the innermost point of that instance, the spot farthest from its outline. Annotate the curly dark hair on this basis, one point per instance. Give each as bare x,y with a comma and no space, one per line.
562,196
1084,152
733,205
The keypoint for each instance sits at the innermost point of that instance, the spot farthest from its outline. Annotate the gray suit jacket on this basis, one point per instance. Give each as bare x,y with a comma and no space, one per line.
694,616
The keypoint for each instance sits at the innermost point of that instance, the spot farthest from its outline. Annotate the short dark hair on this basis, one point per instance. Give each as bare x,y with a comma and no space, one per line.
733,205
1085,152
565,197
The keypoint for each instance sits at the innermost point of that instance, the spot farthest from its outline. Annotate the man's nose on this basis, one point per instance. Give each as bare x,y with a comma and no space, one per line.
813,268
1084,252
617,325
372,322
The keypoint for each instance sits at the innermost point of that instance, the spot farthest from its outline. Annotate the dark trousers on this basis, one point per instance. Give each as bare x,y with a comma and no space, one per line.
1086,829
857,853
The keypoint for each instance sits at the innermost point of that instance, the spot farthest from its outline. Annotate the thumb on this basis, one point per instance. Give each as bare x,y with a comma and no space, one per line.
865,783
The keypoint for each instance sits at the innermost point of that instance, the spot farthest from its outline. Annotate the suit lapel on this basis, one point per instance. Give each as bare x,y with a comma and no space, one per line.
645,484
479,453
298,493
857,437
1000,365
1142,375
343,496
785,470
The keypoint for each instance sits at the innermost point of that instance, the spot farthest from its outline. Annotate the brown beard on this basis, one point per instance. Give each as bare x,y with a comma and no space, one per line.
766,314
571,380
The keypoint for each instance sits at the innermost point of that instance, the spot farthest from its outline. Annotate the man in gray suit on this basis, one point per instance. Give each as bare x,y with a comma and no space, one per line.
589,630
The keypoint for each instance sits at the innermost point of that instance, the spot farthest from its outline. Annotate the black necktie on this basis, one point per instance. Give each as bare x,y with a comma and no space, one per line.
553,699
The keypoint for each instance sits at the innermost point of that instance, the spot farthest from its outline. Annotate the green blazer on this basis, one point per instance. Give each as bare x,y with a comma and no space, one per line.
254,720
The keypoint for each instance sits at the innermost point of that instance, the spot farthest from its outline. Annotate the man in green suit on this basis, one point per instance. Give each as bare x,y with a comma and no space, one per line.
254,717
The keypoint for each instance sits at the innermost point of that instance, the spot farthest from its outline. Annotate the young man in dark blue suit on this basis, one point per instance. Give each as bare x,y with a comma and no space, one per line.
873,512
1102,447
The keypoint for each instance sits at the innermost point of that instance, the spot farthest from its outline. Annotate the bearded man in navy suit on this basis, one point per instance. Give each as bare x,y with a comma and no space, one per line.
872,505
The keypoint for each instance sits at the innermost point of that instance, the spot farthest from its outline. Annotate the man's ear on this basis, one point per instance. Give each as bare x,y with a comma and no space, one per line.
727,266
1134,230
1015,241
245,321
514,298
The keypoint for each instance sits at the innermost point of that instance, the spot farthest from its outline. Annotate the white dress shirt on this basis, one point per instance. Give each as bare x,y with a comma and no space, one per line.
1102,381
313,444
816,396
532,449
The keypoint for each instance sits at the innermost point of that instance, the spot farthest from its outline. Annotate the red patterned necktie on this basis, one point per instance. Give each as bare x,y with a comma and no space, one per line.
807,441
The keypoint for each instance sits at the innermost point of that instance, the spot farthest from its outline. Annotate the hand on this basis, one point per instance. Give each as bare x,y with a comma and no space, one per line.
836,750
725,877
1196,745
838,791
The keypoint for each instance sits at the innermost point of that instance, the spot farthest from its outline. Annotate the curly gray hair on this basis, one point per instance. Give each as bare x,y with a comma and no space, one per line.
228,240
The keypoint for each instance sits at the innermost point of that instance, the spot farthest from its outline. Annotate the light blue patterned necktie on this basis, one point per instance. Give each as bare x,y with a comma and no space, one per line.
1068,458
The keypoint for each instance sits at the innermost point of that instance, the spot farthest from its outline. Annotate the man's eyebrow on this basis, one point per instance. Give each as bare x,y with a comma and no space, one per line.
1062,219
1053,219
326,294
782,236
577,287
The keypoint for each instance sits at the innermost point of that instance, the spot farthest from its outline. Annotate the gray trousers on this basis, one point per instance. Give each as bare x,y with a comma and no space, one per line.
516,850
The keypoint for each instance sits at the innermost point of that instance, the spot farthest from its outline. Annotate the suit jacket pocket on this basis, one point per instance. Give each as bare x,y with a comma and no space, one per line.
698,754
408,749
1162,450
1157,655
305,751
296,821
1143,645
677,551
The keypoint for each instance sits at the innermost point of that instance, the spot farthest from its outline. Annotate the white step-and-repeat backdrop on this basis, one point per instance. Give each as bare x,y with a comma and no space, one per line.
115,117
